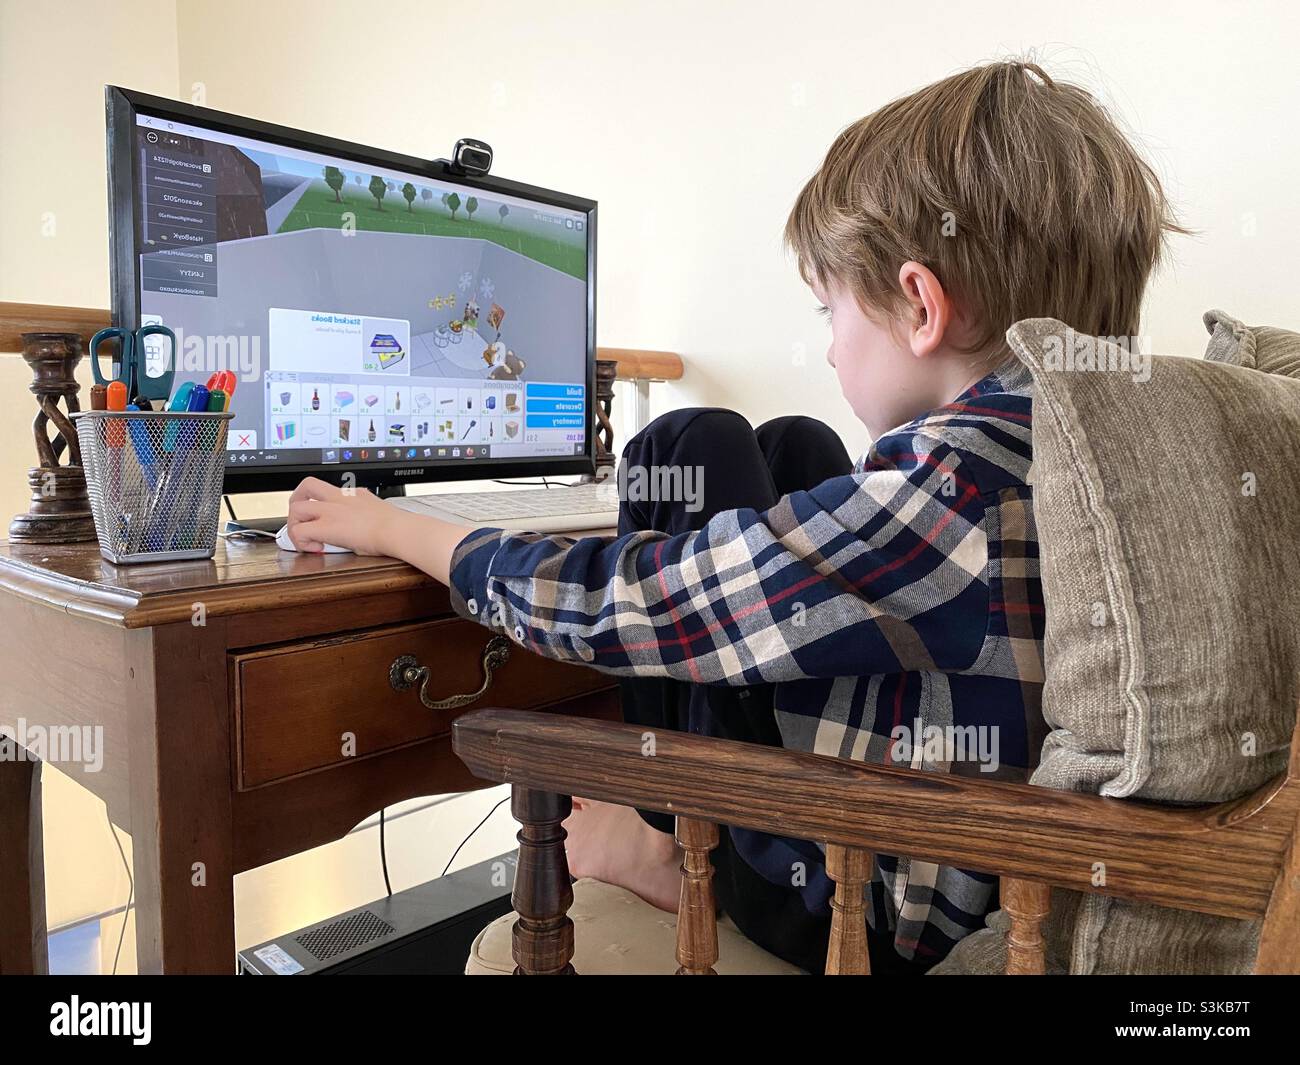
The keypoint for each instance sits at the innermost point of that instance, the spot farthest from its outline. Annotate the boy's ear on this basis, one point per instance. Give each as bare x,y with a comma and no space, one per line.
930,307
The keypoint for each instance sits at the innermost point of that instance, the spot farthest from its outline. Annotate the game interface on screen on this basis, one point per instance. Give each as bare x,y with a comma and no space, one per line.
371,315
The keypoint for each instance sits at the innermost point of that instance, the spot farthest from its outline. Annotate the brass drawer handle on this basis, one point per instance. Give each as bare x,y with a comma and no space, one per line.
406,672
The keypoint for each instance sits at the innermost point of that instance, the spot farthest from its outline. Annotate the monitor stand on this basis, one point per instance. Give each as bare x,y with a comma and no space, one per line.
271,526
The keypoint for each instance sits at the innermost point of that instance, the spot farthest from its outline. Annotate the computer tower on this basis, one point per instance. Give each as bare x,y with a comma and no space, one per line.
425,930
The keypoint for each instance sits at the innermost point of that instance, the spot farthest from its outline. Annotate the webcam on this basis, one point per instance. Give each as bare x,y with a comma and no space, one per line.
471,156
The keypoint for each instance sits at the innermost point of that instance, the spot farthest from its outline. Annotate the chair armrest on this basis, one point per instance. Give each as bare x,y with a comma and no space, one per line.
1223,859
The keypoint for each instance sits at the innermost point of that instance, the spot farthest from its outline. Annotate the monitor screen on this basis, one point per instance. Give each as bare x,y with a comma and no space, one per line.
378,319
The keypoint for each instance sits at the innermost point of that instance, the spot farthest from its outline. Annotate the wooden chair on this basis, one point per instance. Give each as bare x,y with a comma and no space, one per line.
1236,859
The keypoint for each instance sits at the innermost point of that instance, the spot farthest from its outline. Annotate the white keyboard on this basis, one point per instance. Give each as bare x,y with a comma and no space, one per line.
555,509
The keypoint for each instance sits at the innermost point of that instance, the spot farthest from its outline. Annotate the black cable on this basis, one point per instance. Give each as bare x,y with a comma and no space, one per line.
471,834
533,484
383,852
130,895
231,509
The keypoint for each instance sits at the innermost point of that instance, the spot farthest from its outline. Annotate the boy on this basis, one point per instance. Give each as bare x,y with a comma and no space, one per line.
854,609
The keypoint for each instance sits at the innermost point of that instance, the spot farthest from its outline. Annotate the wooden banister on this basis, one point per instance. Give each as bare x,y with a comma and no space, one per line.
637,365
17,318
1222,859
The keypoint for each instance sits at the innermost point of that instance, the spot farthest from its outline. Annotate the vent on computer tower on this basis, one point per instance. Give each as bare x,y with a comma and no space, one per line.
347,933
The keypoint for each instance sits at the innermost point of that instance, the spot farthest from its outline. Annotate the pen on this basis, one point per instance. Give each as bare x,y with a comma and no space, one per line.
171,435
179,401
196,403
98,397
144,450
115,439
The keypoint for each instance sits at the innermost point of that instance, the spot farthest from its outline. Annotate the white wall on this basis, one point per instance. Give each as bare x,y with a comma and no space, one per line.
694,125
55,57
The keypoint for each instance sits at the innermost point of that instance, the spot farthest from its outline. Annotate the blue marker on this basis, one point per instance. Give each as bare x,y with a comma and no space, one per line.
179,402
143,448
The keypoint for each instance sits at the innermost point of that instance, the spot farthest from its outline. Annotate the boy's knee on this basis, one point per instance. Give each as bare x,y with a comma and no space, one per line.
796,430
689,431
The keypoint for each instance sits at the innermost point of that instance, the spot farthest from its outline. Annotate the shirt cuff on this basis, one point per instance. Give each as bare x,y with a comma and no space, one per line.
470,564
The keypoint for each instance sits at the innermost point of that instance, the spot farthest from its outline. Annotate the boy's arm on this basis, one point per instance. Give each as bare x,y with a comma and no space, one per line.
878,572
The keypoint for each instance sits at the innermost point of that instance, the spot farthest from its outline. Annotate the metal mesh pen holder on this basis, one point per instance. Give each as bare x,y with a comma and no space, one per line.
154,479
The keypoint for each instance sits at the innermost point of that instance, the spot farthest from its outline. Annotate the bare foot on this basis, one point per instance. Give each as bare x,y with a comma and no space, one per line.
613,844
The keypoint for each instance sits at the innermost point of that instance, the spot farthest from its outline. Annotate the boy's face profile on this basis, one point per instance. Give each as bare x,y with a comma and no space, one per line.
893,369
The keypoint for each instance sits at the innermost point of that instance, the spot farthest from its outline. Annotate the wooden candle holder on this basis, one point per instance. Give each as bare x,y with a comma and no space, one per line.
60,508
606,373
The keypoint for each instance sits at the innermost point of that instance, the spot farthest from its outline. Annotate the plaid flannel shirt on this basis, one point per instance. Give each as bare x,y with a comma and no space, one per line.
885,604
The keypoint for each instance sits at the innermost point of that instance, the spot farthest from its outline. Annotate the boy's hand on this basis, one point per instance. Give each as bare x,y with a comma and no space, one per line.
321,513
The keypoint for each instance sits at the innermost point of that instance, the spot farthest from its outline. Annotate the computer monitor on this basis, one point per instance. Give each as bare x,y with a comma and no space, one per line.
386,316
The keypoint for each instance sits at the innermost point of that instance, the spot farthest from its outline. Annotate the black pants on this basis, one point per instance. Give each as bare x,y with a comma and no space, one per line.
742,468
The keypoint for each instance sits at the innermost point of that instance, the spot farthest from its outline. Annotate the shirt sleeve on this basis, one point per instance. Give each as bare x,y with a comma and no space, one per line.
880,571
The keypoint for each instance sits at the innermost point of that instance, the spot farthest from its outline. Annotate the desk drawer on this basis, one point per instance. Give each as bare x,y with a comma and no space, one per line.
320,703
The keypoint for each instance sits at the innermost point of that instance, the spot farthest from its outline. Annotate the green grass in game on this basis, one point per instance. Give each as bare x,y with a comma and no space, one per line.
318,209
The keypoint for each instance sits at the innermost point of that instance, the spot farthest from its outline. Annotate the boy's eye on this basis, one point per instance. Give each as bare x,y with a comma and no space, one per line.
824,311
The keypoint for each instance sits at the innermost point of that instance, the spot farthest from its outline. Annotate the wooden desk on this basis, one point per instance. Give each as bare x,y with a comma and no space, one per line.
246,714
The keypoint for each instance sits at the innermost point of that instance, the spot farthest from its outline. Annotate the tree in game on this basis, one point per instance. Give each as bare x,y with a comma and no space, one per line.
378,189
445,196
334,179
408,194
426,194
471,205
358,179
503,210
453,203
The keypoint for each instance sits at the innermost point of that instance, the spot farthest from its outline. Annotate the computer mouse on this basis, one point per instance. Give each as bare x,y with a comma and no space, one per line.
285,544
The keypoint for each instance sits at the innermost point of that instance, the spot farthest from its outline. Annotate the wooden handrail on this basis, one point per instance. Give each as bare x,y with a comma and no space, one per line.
638,365
1223,859
18,318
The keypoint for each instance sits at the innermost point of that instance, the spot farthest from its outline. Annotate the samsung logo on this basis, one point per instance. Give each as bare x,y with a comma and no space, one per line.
409,473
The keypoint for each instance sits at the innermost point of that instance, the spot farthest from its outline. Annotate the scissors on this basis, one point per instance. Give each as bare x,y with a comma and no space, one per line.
128,364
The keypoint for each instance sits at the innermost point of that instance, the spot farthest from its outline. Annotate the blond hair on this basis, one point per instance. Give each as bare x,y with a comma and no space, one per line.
1019,192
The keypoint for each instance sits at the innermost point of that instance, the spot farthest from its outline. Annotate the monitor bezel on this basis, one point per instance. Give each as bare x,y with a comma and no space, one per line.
122,107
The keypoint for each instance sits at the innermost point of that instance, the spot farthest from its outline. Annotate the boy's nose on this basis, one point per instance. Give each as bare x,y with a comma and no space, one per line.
830,356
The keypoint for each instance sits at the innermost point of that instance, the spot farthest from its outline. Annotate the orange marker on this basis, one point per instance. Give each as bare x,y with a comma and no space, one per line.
116,399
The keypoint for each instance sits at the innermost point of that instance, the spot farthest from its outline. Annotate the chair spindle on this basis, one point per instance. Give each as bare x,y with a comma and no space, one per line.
542,939
850,868
697,915
1027,902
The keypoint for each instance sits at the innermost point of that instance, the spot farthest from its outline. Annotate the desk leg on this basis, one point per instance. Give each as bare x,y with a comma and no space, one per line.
22,866
182,831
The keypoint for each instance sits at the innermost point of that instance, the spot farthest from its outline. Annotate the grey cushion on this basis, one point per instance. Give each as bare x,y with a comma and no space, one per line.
615,933
1260,347
1168,514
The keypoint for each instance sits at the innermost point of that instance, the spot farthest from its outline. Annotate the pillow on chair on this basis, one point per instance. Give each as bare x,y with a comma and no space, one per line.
615,933
1168,513
1262,347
